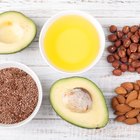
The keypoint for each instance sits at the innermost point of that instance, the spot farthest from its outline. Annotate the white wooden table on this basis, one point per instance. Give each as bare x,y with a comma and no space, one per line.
47,125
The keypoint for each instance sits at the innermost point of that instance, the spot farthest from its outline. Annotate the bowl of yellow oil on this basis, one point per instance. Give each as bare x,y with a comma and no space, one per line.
72,41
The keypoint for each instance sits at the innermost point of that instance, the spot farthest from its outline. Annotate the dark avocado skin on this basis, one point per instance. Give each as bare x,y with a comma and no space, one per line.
27,19
71,122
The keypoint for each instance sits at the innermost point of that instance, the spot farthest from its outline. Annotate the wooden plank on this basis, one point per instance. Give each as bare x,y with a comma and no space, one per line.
59,130
97,8
46,124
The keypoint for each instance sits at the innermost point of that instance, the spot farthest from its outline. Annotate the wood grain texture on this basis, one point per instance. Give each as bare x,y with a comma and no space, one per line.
47,125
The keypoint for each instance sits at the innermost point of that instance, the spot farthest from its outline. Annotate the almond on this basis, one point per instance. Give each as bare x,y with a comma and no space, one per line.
123,95
139,95
128,86
132,96
120,90
130,121
119,113
138,118
135,103
121,99
114,102
136,86
120,118
126,95
138,82
123,108
132,113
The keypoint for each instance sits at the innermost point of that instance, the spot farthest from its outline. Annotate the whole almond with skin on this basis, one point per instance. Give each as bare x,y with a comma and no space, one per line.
134,103
123,95
130,121
138,82
138,95
132,96
128,86
126,95
120,118
114,102
127,103
138,118
121,99
136,86
132,113
120,90
119,113
123,108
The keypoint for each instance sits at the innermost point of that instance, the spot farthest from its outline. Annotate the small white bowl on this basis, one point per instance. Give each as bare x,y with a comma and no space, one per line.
91,19
38,83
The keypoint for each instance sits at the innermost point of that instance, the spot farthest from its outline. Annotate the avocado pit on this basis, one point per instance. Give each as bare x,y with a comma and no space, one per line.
77,100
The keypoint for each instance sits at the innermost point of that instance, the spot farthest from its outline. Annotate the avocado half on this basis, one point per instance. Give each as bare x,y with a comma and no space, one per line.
80,102
16,32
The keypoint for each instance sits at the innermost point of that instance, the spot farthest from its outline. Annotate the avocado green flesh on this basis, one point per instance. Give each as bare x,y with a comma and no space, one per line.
16,32
96,117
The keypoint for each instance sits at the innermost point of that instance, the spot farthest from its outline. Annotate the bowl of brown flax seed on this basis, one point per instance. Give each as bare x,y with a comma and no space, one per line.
20,94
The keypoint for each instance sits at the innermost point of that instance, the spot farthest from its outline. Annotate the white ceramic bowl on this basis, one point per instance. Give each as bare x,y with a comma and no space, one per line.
38,83
91,19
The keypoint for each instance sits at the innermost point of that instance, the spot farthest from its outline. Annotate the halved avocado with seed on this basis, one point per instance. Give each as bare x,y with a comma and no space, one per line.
16,32
80,102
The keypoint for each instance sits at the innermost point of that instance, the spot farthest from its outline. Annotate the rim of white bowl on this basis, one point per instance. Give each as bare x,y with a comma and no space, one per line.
38,83
87,16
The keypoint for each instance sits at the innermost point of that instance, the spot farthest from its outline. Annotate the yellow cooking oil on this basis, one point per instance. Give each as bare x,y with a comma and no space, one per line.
71,43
